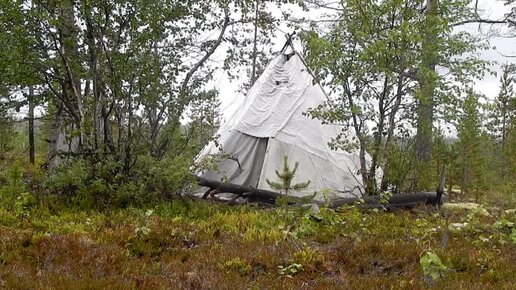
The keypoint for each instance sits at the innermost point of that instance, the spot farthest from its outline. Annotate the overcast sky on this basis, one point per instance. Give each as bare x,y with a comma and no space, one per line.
489,85
503,47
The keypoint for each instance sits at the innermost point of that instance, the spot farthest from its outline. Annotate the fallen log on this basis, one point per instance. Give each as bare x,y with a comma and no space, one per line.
395,201
237,189
405,200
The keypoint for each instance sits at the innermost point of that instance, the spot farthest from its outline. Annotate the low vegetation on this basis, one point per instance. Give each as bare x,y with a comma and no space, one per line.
193,245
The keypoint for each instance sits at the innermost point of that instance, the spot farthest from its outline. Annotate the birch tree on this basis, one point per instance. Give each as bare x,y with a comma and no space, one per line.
380,60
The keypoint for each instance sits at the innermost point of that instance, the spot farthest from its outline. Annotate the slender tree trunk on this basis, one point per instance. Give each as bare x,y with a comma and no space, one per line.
109,145
362,144
56,137
255,42
378,138
129,110
504,141
32,149
425,107
128,140
390,131
153,122
450,182
90,39
68,52
463,181
153,112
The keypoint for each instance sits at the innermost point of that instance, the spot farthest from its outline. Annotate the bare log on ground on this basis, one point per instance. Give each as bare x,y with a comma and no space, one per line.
405,200
238,189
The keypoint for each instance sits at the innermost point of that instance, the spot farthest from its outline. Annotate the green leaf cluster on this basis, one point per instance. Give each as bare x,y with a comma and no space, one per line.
432,266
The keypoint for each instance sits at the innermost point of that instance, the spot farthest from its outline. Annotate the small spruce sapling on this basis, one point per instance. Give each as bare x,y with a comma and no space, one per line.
285,178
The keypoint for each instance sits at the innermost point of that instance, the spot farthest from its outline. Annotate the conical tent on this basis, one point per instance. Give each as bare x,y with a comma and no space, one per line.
270,124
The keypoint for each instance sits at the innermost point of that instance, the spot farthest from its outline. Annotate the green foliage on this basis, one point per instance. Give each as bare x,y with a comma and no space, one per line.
284,184
385,198
238,265
13,185
101,185
168,178
513,236
285,179
432,266
501,127
165,246
22,204
397,166
310,259
131,63
379,59
6,131
68,178
206,117
471,146
125,78
290,270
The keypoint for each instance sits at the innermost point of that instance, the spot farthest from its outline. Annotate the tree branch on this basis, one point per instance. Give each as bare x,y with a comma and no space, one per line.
207,56
480,21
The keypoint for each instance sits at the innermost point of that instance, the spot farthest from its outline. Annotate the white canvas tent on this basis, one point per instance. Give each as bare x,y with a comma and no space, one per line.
270,124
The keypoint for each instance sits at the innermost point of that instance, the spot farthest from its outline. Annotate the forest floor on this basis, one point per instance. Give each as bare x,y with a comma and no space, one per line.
199,245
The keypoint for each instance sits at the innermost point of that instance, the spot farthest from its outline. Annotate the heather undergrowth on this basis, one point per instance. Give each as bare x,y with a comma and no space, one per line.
199,245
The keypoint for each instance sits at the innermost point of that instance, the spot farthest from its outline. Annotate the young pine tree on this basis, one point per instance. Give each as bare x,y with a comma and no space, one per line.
285,179
284,182
510,153
502,116
471,158
6,130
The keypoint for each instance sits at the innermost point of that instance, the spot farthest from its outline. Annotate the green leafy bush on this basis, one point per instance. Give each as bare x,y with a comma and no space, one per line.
13,185
239,265
165,178
105,184
432,266
290,270
68,178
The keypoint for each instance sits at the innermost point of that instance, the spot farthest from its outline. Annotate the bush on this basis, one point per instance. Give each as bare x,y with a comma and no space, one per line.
12,186
505,195
129,194
104,185
68,178
167,178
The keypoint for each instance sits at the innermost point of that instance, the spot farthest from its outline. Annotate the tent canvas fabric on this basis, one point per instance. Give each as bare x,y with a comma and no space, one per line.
270,124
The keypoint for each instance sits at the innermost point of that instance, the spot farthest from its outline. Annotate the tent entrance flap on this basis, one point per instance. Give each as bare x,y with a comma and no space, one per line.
241,161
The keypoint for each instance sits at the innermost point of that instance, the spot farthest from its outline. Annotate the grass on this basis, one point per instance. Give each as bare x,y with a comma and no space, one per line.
196,245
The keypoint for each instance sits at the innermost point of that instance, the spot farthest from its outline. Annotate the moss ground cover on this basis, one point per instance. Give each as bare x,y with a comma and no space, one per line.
196,245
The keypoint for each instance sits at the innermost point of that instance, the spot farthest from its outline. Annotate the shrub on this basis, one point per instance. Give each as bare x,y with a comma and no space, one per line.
432,266
168,177
311,259
239,265
129,194
104,184
13,185
68,178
